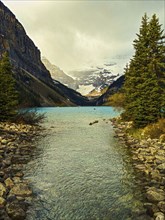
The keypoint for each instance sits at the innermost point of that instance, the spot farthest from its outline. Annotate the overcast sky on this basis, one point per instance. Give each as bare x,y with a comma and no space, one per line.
74,34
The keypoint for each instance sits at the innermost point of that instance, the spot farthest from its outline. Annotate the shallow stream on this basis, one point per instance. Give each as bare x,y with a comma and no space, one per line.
81,171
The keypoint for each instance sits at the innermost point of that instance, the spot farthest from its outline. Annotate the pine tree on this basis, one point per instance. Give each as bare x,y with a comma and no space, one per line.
143,77
8,93
157,54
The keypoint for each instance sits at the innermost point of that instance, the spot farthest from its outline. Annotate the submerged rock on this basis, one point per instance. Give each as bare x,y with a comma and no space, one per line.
15,211
91,123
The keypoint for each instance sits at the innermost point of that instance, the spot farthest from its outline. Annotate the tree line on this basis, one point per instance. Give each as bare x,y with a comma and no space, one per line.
143,93
8,92
10,97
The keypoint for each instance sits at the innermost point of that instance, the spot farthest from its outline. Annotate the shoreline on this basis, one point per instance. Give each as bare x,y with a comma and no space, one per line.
17,144
148,160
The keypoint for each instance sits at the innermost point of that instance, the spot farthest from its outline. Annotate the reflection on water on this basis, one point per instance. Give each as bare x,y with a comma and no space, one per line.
81,171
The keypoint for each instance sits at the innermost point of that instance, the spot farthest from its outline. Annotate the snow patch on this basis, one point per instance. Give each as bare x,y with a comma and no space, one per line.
85,89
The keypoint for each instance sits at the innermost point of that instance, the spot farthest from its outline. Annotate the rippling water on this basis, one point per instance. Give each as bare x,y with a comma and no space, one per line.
81,171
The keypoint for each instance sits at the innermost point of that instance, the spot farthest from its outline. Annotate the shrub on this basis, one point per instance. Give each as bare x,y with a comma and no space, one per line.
155,130
29,117
116,100
135,132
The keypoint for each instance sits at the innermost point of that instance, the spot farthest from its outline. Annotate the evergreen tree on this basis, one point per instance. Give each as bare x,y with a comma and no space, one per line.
157,54
8,93
144,75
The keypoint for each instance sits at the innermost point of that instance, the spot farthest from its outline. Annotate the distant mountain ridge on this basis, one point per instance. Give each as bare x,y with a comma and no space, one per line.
34,82
59,75
94,79
112,89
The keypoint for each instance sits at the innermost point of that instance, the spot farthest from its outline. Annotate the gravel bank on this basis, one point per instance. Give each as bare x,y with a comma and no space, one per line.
148,160
17,144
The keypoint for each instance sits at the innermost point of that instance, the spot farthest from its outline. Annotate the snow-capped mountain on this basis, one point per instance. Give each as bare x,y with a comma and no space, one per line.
95,78
88,80
58,75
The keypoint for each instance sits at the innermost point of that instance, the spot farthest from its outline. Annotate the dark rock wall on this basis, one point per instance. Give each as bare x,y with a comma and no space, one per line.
22,50
34,81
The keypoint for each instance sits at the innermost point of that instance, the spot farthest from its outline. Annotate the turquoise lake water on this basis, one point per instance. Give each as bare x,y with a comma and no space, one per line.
81,171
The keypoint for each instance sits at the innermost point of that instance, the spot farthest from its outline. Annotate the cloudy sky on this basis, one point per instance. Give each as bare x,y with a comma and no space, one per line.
77,34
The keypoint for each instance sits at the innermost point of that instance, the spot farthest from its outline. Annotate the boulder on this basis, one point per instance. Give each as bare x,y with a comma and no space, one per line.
151,208
13,127
17,179
161,206
9,183
161,167
21,189
2,173
160,159
2,189
4,141
155,195
155,174
159,216
2,202
162,138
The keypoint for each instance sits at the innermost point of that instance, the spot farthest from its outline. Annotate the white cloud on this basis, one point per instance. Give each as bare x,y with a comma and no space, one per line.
72,34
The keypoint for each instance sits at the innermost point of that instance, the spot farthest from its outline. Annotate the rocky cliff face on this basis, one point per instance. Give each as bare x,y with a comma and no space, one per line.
22,51
34,82
59,75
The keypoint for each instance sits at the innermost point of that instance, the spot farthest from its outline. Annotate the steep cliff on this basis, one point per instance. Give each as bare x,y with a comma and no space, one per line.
34,82
59,75
22,51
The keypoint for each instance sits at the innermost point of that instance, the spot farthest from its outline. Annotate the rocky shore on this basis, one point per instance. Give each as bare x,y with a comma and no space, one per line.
16,149
148,160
